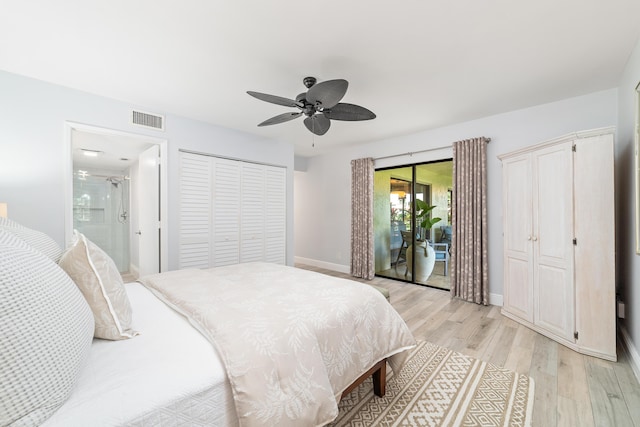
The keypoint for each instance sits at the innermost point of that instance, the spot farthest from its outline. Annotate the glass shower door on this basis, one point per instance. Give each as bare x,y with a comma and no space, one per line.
101,212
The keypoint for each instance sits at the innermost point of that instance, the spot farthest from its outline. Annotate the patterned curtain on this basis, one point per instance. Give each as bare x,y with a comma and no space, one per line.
362,218
469,267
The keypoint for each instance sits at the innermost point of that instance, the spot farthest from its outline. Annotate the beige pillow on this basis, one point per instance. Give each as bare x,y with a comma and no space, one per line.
97,277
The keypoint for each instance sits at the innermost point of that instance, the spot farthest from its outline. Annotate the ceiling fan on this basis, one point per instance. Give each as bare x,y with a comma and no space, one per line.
321,104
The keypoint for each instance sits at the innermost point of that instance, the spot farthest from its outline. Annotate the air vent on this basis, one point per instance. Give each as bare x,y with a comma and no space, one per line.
148,120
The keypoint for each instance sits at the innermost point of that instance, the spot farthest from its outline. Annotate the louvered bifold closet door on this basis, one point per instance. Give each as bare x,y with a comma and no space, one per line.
252,213
230,212
195,211
275,214
227,198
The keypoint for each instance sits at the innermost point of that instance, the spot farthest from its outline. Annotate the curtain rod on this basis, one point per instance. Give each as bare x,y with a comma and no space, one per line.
411,153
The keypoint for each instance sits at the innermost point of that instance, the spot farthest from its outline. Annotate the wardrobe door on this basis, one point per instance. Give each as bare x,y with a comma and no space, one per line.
195,211
518,254
275,214
226,212
252,213
553,239
595,249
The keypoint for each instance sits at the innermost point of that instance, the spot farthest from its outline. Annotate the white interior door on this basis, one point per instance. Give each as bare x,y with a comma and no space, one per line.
149,211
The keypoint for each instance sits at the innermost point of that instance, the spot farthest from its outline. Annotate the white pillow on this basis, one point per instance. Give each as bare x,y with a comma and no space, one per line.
36,239
46,330
97,277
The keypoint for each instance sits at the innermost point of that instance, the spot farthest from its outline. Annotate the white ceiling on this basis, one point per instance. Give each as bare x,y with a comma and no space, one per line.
417,64
115,152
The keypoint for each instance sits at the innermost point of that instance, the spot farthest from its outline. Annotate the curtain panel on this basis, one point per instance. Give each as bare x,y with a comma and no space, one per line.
362,262
469,265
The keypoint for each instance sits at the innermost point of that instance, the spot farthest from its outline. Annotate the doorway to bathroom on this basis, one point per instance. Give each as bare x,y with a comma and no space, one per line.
412,223
117,196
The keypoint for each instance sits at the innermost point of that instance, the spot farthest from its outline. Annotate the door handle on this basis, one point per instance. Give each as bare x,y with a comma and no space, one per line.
139,233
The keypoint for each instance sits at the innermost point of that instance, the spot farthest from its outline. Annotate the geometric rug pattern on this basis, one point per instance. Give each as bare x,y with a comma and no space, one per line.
441,387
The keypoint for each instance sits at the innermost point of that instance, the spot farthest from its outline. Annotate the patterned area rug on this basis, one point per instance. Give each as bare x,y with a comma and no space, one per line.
440,387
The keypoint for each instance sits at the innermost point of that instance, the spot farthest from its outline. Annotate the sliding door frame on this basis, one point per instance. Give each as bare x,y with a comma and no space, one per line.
412,210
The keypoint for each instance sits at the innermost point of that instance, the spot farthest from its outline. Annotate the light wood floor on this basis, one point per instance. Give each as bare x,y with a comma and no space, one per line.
570,389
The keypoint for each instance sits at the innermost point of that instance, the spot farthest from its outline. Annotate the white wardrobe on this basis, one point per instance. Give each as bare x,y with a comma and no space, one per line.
559,237
230,212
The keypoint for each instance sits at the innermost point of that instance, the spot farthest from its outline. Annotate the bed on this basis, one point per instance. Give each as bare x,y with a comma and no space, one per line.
250,344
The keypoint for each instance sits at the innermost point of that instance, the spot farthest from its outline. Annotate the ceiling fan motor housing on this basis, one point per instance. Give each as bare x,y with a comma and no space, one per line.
307,108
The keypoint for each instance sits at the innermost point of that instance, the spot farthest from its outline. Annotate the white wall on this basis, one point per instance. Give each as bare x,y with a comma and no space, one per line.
627,262
322,233
33,157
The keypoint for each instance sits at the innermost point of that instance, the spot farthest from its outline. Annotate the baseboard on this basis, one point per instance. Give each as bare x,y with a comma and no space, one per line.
495,299
323,264
632,351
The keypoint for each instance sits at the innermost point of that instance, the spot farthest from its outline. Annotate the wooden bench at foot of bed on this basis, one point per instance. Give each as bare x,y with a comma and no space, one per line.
379,374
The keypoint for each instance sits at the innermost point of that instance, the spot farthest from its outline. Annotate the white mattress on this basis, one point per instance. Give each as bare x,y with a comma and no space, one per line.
168,375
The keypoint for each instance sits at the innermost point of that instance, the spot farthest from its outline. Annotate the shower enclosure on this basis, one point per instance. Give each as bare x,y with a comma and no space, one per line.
101,211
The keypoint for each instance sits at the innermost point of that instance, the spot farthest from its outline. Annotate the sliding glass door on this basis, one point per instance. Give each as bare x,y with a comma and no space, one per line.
408,201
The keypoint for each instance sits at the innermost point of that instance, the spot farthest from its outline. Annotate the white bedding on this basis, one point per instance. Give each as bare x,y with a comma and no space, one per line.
168,375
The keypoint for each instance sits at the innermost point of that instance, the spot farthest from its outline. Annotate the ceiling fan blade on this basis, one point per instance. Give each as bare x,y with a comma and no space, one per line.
328,93
317,124
349,112
280,118
275,99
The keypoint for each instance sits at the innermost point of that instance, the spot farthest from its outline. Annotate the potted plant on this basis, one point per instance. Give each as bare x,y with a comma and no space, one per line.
425,255
423,211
